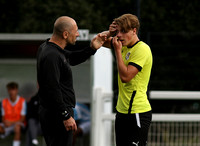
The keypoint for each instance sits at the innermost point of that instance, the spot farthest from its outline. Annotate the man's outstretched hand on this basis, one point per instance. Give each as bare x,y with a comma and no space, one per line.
104,37
98,41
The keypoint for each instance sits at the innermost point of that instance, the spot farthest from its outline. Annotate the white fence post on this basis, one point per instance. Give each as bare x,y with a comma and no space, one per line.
102,83
101,129
96,117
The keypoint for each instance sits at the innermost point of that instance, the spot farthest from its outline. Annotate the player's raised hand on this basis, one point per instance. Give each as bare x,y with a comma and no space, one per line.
98,41
113,28
117,44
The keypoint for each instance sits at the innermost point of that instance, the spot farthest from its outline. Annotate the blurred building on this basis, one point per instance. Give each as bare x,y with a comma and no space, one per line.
18,63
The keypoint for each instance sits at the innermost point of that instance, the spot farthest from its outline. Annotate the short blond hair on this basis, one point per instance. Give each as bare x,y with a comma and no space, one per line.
128,22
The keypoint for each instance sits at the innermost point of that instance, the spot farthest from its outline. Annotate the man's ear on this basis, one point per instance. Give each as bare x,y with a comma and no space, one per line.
134,31
65,34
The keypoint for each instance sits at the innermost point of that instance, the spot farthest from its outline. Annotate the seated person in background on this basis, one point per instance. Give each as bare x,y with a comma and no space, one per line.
34,128
82,118
13,114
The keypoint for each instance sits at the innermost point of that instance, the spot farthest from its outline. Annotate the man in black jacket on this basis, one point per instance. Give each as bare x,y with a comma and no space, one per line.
56,93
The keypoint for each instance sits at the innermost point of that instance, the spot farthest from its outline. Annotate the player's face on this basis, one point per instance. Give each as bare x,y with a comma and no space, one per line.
125,37
13,93
73,34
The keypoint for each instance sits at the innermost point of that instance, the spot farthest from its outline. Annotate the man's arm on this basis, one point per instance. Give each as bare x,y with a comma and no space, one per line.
78,57
22,119
126,73
23,112
7,123
3,120
108,44
110,33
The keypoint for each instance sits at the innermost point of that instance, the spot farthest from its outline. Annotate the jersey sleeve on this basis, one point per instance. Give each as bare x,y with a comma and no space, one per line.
23,111
138,58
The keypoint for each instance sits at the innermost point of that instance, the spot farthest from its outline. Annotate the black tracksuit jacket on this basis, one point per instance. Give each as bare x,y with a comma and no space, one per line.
54,76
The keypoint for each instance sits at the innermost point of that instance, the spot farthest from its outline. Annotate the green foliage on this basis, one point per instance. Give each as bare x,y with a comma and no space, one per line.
38,16
170,15
178,20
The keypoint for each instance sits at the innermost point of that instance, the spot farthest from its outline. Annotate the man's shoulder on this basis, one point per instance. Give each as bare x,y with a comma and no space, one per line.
48,51
49,48
5,99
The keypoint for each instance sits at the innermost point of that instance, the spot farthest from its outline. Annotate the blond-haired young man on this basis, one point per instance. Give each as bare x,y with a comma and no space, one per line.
134,62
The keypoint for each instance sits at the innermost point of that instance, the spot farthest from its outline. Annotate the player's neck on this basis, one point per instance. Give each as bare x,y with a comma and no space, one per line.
135,40
13,99
61,43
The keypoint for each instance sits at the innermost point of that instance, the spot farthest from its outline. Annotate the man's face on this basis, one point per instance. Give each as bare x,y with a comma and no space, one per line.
73,34
13,93
127,38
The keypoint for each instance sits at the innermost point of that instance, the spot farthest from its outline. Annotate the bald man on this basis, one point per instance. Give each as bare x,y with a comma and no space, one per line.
56,93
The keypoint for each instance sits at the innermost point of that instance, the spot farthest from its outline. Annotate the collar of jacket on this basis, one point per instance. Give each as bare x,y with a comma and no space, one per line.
65,52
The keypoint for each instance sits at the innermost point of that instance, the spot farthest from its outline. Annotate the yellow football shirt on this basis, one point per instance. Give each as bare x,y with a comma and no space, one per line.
132,96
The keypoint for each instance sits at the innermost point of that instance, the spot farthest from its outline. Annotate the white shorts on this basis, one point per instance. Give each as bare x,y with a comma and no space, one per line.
9,130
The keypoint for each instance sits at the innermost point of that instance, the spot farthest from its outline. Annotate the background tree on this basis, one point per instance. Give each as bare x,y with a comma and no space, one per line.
171,28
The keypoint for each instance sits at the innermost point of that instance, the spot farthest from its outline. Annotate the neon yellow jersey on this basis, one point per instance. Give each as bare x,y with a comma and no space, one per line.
132,96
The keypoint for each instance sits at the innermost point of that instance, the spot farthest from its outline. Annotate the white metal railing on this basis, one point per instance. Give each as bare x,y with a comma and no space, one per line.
170,133
165,130
84,35
164,117
175,95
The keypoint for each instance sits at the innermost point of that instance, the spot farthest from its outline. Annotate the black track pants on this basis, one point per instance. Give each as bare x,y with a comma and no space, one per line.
53,129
